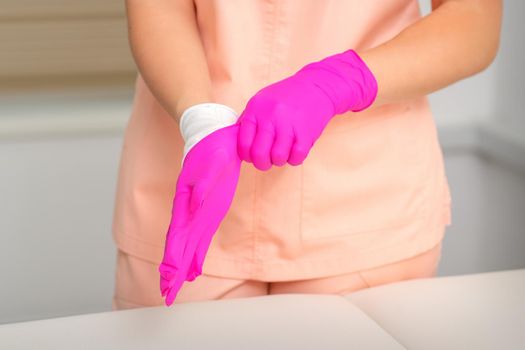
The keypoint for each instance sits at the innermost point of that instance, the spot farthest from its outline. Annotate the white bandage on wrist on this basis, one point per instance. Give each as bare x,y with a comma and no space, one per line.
200,120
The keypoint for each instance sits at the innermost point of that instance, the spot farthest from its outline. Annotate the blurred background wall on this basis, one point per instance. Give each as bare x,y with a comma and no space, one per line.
66,86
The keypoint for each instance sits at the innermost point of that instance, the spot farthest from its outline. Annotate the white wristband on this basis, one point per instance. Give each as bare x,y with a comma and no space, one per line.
200,120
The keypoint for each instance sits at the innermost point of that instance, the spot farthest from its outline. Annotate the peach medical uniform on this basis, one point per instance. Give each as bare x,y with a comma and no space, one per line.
372,191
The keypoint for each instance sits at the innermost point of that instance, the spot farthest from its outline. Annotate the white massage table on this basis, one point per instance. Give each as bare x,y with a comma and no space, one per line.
483,311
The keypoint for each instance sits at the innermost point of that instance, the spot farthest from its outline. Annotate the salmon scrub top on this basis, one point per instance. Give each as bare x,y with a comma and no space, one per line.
372,191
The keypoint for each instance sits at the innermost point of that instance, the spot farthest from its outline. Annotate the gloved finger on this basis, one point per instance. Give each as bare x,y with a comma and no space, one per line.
172,281
213,170
171,285
193,271
174,289
205,235
299,152
194,236
282,145
173,259
175,237
262,146
167,273
247,130
201,251
187,253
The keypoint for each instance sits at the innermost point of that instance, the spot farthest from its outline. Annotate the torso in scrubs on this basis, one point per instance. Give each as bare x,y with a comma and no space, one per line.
372,191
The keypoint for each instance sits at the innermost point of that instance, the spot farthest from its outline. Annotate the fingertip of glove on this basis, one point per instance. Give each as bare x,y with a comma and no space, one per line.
170,298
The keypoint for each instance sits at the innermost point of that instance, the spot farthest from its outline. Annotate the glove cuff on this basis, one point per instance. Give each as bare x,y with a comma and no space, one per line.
200,120
346,79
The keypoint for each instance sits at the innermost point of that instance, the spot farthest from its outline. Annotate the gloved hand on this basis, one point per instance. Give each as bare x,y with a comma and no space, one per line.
204,192
282,121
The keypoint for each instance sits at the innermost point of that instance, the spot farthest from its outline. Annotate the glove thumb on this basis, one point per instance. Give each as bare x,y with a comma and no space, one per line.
203,186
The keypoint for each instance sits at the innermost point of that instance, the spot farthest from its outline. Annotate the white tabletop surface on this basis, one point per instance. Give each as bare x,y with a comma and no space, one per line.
291,321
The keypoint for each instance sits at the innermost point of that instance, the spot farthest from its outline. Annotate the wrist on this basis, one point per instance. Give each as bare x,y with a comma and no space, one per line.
188,99
345,79
199,120
367,82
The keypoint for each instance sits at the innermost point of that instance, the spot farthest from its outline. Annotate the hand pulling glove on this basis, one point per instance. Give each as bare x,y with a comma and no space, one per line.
204,192
282,121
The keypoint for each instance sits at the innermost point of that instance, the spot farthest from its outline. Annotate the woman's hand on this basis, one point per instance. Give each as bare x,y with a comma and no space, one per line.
204,192
282,121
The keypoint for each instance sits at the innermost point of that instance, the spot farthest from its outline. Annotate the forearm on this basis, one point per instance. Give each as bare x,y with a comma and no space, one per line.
167,49
458,39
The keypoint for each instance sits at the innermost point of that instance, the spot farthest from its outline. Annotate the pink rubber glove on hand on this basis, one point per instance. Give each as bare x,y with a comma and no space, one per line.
282,121
204,192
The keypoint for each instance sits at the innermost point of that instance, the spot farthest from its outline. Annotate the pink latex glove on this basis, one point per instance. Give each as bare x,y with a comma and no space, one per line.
282,121
204,192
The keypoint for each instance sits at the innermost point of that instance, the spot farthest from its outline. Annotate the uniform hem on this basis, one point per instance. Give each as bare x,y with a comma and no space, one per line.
138,248
420,241
239,268
223,266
